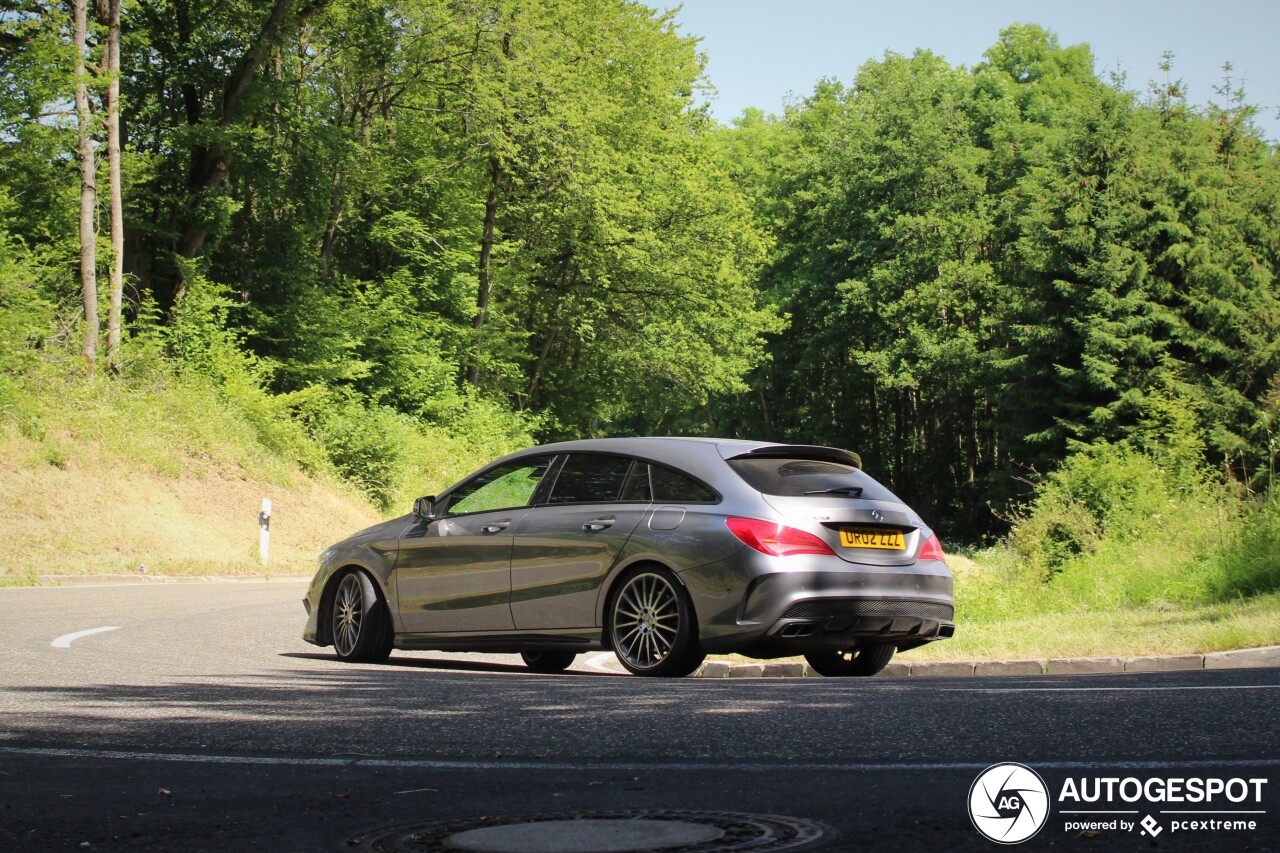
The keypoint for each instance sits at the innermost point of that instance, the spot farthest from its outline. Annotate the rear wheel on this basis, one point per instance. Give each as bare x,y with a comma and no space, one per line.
651,625
867,660
361,626
548,661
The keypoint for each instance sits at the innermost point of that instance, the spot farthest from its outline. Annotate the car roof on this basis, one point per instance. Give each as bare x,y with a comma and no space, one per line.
657,445
703,458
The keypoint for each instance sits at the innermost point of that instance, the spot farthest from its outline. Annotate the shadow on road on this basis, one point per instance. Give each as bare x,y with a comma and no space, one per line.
452,665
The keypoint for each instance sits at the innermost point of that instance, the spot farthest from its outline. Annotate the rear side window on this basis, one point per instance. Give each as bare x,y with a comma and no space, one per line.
590,478
672,487
808,477
656,483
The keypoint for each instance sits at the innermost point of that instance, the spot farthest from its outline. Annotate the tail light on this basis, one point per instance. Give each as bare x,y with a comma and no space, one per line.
776,540
932,549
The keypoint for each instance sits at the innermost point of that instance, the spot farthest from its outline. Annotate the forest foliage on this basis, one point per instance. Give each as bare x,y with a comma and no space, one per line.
380,228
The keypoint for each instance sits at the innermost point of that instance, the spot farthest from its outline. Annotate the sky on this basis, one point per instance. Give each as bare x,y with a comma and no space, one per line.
760,53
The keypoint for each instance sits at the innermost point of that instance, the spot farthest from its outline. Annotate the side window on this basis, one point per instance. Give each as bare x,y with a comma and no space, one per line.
505,487
589,478
672,487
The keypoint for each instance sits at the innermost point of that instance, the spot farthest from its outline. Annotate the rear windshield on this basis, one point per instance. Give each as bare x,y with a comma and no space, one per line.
808,478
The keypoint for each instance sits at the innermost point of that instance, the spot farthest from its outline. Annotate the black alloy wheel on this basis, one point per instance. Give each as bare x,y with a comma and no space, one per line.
361,625
863,661
651,625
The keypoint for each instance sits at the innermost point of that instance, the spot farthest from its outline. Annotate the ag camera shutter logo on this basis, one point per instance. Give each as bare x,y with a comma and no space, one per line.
1008,803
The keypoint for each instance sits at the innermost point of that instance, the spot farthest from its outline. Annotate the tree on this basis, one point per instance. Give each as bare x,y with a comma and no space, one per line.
110,11
88,188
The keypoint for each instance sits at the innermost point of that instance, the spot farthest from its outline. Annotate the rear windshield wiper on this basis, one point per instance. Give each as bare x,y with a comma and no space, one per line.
847,491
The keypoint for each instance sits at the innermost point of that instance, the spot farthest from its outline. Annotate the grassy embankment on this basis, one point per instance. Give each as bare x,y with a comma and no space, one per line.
1116,558
106,479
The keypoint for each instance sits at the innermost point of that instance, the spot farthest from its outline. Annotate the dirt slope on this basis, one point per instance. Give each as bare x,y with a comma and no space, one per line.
68,506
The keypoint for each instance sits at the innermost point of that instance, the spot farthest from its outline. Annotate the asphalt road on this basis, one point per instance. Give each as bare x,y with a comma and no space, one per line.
203,722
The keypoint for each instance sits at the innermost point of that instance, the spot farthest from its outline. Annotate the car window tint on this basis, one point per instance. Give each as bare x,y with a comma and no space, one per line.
808,477
506,486
590,478
673,487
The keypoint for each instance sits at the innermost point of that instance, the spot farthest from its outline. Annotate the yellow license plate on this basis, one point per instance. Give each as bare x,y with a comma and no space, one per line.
872,537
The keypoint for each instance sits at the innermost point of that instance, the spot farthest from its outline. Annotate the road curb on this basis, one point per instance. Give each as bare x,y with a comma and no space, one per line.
1266,656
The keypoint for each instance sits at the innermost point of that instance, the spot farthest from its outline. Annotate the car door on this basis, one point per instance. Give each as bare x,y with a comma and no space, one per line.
565,545
454,572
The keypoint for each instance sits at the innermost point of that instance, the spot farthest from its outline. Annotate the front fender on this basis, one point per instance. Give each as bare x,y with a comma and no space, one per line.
375,558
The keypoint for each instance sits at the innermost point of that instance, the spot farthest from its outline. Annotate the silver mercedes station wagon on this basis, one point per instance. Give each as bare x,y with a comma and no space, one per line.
660,549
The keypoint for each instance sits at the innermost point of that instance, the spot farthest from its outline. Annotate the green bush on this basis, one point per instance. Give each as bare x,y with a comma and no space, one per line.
391,457
371,447
25,321
201,343
1250,562
1102,494
1115,527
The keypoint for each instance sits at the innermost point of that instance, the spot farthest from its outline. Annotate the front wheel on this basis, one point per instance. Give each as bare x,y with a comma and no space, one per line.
867,660
548,661
651,625
361,627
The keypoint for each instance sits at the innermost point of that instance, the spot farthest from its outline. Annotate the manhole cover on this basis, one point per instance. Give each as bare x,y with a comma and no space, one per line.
599,832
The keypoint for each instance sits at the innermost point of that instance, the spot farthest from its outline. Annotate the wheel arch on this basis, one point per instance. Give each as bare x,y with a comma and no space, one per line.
324,624
610,586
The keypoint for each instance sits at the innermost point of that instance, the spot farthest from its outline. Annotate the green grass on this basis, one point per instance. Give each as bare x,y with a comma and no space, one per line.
1131,632
28,579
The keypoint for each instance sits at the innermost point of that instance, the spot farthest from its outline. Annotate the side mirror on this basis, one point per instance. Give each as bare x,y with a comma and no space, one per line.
425,508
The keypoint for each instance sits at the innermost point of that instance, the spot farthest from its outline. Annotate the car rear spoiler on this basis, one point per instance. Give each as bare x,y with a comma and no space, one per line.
816,452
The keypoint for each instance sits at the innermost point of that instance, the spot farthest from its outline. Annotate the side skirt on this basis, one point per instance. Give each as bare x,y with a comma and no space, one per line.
511,642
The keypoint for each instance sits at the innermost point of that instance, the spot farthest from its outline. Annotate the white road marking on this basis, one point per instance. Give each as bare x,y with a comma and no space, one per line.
629,766
65,641
1108,689
597,661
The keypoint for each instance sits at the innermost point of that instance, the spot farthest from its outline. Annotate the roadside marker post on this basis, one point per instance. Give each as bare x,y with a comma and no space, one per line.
264,530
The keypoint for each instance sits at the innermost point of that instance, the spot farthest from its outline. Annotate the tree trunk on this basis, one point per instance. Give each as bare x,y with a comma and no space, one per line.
486,253
766,415
88,190
552,333
113,180
331,227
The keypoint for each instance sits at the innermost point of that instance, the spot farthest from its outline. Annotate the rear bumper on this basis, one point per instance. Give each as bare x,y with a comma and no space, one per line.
819,606
827,624
820,625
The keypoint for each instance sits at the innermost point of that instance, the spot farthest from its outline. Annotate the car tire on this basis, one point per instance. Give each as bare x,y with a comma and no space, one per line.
864,661
360,624
555,661
650,624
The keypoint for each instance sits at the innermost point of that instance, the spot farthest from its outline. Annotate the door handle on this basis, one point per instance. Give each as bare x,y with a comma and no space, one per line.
501,524
597,524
